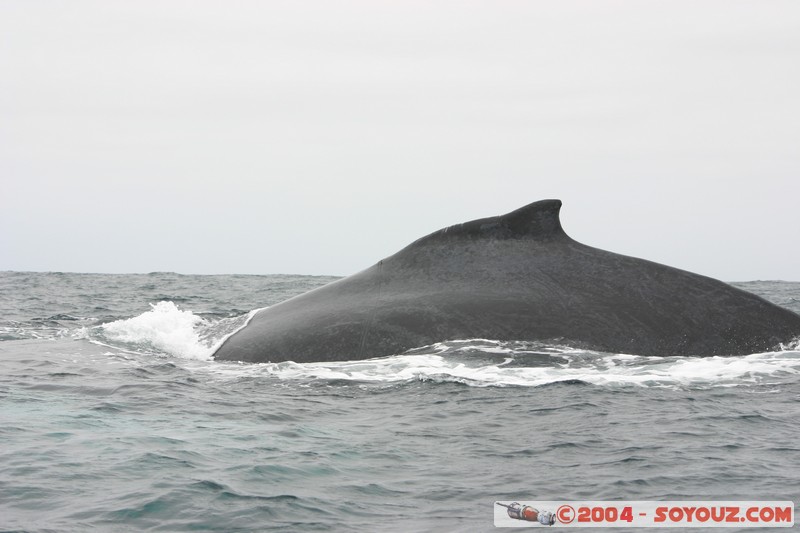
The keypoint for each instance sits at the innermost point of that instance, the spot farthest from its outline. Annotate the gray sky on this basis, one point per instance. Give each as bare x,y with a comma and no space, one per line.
318,137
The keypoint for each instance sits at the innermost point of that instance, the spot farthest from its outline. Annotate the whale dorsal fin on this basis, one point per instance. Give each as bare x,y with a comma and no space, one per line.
539,221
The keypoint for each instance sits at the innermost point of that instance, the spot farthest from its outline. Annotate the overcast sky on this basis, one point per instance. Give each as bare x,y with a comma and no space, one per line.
319,137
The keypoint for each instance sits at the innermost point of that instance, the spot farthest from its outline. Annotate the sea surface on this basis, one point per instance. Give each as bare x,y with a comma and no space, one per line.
114,417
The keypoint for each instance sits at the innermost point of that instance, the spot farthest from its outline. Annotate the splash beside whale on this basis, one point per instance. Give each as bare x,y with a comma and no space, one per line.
513,277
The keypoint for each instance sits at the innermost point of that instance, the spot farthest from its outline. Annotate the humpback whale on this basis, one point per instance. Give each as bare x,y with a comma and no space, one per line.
516,277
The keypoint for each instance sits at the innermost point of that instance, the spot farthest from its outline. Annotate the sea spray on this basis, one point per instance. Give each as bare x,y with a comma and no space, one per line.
164,329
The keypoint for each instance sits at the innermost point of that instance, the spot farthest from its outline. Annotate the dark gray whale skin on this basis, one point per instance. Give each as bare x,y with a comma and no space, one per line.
513,277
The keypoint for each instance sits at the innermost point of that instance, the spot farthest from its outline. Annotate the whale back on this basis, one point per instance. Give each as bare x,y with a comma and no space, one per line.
519,277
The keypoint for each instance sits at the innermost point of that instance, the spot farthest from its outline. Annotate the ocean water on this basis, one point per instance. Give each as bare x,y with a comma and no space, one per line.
114,417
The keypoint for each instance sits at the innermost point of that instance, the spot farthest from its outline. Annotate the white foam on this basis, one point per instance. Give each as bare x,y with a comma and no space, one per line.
794,344
613,370
164,328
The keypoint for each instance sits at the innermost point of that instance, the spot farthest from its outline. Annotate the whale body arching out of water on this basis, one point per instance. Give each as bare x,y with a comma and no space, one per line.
515,277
